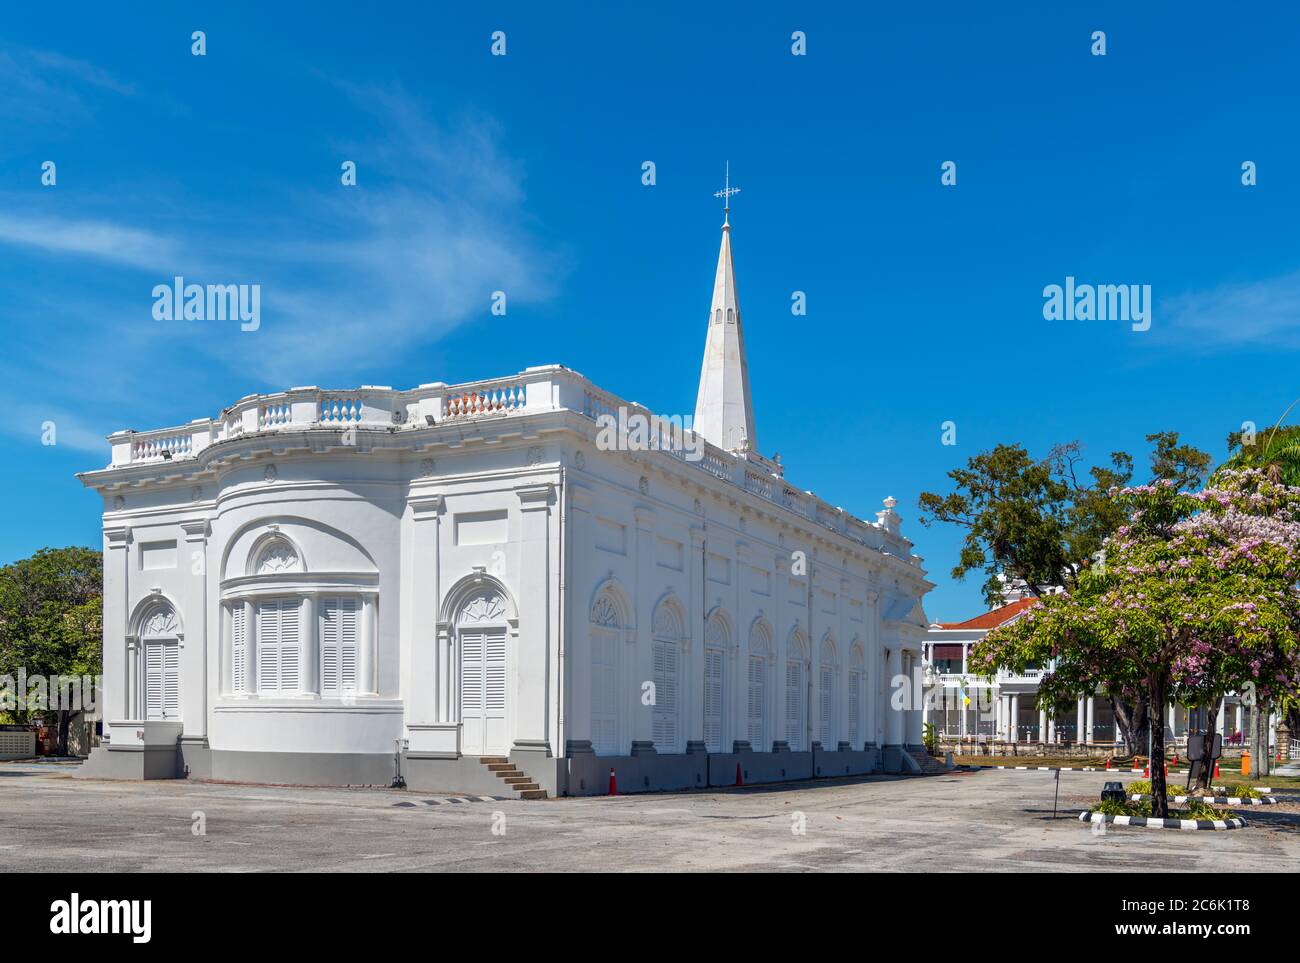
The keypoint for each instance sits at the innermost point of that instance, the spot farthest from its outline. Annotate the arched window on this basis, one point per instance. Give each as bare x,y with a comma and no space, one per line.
760,656
826,689
666,628
796,668
277,555
606,641
160,639
857,663
717,639
481,637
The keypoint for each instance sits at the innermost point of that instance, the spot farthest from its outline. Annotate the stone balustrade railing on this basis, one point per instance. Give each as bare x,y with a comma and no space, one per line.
548,388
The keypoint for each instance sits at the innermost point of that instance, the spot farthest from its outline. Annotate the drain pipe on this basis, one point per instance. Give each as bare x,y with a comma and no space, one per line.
398,781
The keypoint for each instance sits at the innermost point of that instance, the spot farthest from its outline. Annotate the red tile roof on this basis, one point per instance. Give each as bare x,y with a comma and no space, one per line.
991,620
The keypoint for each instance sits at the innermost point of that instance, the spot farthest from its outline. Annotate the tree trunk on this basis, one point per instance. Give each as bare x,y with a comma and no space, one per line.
1159,798
1260,759
1206,770
1131,721
65,721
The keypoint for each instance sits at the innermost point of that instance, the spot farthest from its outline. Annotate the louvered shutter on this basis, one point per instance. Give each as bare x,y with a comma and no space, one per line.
329,646
290,647
604,692
757,699
171,681
153,687
855,707
471,671
713,699
794,705
494,671
349,642
268,645
238,649
827,706
665,718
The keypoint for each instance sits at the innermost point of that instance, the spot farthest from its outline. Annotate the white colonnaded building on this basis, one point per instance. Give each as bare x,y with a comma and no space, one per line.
485,588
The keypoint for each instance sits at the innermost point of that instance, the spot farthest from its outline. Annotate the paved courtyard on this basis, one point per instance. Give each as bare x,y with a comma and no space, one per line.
982,821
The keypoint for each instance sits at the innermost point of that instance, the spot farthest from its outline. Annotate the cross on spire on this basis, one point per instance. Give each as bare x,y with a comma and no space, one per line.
725,194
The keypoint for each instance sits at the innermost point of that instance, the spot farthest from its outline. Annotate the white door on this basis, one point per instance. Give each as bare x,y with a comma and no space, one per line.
666,659
713,700
757,703
483,692
604,692
162,670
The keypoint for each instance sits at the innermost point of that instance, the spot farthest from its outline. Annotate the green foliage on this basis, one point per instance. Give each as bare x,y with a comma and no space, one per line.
1131,807
1140,787
930,738
1243,791
51,616
1275,451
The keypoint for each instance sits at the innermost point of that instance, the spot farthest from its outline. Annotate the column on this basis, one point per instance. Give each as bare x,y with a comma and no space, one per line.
366,654
533,632
897,718
641,654
250,646
690,681
1080,731
427,645
781,653
309,634
1042,725
115,700
577,651
1222,720
1089,729
1241,722
1051,728
195,655
1015,717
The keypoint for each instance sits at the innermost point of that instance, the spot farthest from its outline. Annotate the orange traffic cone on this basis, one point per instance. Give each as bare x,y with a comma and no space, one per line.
1146,768
1108,763
1216,769
1175,759
613,783
739,780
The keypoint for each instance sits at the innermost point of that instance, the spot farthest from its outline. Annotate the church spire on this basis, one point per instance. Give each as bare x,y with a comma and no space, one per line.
724,411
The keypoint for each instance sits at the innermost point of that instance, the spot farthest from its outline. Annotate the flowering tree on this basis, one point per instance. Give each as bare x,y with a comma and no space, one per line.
1196,597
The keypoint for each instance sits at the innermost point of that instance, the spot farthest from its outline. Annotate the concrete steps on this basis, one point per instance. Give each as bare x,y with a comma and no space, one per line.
514,779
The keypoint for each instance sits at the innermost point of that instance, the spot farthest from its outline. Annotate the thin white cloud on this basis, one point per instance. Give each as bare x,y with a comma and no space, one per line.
349,276
1234,315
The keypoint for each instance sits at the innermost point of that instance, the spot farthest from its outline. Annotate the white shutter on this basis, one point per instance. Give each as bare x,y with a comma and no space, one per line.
338,645
238,649
794,705
713,700
268,645
827,707
757,699
471,671
855,706
604,692
665,716
290,632
171,681
349,642
153,687
494,671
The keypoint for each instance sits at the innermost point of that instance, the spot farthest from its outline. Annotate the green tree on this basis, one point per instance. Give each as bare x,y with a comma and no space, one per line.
1042,520
51,620
1197,597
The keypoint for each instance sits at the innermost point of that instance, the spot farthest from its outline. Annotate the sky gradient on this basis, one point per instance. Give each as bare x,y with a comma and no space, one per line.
523,173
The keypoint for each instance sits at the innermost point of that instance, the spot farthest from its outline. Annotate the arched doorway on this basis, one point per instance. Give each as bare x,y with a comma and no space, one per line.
160,641
481,632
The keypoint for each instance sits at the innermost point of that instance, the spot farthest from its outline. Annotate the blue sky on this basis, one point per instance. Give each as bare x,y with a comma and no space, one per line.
522,173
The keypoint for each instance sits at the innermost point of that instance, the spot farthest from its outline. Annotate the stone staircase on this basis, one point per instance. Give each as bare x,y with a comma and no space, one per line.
929,764
515,779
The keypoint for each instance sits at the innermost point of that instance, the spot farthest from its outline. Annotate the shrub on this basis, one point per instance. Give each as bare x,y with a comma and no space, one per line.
1242,791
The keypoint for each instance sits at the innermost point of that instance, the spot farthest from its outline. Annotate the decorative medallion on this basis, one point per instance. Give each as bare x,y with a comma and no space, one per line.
277,557
536,454
271,473
580,460
487,606
196,493
699,507
426,468
119,503
605,612
644,485
160,623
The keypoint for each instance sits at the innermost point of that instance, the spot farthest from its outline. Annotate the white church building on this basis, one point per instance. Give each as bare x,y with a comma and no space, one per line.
505,586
